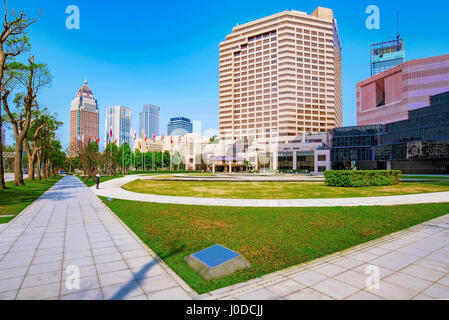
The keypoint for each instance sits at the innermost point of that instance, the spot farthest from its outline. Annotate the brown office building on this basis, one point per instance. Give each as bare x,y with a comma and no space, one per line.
281,76
84,119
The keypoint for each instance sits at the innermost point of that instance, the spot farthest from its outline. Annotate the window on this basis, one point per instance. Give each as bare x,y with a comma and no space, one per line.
322,157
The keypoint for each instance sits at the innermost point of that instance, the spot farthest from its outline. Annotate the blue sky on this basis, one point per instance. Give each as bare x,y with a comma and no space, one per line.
166,52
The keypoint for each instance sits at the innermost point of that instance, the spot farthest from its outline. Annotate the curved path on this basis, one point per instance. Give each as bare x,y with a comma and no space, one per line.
113,189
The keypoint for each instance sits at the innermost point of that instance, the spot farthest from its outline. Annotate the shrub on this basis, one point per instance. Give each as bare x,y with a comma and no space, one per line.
361,178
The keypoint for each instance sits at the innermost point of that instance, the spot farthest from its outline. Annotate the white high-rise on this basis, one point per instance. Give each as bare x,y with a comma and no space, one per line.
149,120
118,121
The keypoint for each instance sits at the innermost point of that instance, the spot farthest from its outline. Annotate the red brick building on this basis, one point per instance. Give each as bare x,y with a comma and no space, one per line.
389,96
84,119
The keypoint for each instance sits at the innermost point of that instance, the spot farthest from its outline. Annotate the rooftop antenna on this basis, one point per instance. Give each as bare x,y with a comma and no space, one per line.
397,27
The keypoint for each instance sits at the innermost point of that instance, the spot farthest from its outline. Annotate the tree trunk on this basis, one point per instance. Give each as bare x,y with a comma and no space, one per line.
18,173
39,161
31,159
2,167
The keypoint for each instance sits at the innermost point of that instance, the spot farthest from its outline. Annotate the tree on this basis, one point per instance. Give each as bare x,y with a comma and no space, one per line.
90,159
56,157
138,159
31,77
13,41
125,157
111,157
41,133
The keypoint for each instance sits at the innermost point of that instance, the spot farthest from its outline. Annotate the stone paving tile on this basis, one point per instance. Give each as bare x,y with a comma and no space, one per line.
308,277
95,294
408,281
175,293
41,279
307,294
121,292
40,292
364,295
438,291
284,287
85,284
335,289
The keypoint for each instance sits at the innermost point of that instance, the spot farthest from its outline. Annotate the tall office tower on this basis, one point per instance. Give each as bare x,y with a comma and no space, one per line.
386,55
149,120
118,122
179,126
281,74
84,119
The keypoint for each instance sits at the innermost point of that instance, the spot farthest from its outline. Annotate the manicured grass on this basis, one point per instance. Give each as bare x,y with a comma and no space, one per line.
426,177
275,190
270,238
91,182
16,198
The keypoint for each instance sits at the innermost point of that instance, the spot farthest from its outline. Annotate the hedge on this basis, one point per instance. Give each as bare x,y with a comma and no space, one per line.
361,178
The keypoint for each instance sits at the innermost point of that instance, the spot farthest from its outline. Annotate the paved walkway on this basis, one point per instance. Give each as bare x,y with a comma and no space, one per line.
113,189
70,226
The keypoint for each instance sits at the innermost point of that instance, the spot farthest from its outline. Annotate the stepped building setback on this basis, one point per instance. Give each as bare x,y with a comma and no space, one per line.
280,76
84,119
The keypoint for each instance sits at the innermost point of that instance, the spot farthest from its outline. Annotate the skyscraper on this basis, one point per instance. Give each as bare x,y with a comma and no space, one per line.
386,55
179,126
118,122
281,73
149,120
84,119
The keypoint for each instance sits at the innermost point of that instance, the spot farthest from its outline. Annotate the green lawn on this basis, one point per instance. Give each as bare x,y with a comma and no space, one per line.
16,198
276,190
425,177
270,238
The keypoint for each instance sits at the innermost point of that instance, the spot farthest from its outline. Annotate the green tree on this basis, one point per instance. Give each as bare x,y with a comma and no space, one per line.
138,159
125,157
90,159
13,41
41,134
31,78
110,159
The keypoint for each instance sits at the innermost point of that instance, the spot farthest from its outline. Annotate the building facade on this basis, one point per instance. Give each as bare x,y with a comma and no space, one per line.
179,126
280,76
419,144
84,119
118,121
149,121
386,55
390,96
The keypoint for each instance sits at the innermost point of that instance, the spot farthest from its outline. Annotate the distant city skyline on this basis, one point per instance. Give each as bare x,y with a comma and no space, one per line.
180,73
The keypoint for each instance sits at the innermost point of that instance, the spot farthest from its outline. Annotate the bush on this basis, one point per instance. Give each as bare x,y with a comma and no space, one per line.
361,178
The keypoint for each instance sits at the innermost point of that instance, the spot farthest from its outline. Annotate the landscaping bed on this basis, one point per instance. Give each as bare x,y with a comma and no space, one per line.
276,190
